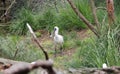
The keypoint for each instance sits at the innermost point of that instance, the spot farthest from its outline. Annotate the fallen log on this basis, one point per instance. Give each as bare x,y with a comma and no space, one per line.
19,67
8,61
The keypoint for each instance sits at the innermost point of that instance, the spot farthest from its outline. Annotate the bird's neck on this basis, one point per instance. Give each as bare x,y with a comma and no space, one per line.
56,32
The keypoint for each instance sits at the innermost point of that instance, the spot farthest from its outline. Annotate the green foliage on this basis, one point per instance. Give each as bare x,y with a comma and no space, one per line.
100,3
103,4
67,18
37,22
19,26
70,40
95,52
6,46
117,6
47,21
38,34
102,16
26,50
91,52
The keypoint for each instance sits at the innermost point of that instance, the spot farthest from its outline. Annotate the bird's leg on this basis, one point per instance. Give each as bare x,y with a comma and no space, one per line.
55,51
61,49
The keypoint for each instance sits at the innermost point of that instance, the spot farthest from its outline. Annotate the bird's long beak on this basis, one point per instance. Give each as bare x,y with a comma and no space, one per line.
54,30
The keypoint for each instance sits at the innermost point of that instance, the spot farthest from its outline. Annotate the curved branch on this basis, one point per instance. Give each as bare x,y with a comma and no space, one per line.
80,15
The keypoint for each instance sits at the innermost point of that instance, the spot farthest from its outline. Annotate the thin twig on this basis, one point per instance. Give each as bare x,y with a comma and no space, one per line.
15,52
8,9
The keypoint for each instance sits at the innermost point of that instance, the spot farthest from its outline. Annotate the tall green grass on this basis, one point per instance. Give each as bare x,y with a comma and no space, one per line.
68,20
18,26
36,20
93,52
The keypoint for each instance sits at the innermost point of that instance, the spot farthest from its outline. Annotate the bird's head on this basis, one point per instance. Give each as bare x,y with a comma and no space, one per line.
56,29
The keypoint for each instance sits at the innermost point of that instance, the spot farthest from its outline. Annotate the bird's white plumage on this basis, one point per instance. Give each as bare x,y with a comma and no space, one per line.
58,39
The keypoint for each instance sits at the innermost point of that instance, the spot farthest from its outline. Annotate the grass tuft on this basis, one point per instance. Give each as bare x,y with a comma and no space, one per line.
93,52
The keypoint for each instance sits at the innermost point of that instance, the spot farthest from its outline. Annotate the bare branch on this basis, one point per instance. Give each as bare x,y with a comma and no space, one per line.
110,10
25,68
90,26
14,1
37,41
15,52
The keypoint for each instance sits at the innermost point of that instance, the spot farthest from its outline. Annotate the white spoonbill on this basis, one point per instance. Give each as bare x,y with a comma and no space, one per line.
58,39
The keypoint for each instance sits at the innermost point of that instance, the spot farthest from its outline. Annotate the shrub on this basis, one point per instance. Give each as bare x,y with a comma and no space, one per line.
47,20
66,19
37,21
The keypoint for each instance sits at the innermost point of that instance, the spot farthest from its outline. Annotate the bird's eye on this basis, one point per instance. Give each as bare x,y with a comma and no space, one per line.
54,29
